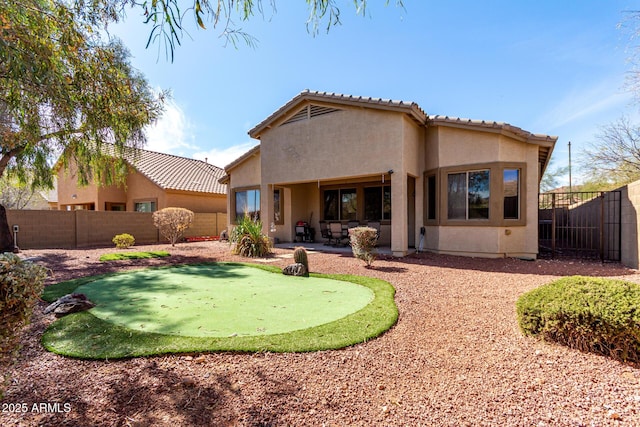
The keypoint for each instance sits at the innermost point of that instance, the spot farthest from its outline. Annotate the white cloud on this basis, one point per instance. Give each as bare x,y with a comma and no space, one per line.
579,104
172,133
223,156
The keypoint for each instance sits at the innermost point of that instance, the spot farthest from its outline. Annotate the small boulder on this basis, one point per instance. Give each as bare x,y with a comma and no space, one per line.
296,269
70,303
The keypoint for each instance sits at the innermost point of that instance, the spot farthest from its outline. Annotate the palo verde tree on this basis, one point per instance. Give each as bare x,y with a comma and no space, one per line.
169,19
64,91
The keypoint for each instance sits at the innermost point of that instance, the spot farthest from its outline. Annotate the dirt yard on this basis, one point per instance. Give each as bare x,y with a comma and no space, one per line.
456,357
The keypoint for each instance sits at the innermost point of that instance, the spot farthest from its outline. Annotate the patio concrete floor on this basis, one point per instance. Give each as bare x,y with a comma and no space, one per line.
321,247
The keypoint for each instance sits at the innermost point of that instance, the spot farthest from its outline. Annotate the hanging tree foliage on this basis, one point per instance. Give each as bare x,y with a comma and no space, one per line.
64,91
169,19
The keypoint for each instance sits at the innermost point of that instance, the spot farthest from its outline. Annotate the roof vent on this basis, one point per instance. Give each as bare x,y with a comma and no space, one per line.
309,112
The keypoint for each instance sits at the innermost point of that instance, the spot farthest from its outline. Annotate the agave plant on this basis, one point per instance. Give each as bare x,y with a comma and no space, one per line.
248,240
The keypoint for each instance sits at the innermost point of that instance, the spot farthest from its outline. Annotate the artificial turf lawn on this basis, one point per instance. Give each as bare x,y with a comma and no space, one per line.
221,300
288,314
133,255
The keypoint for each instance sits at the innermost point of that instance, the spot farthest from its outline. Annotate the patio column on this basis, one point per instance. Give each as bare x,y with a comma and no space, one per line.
399,217
266,207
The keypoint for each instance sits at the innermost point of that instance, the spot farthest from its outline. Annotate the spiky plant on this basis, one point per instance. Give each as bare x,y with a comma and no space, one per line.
300,256
248,240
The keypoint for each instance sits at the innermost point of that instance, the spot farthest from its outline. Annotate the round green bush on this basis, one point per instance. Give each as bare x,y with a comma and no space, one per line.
586,313
123,241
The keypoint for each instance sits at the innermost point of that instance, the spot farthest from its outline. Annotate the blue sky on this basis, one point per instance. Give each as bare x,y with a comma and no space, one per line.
550,67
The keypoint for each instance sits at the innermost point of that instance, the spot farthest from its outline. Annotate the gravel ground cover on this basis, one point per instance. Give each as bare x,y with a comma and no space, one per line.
456,357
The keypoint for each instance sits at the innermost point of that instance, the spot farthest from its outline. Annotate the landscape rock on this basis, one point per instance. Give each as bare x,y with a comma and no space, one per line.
296,269
70,303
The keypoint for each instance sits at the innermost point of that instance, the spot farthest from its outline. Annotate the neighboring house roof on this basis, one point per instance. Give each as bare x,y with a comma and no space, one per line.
306,96
171,172
51,196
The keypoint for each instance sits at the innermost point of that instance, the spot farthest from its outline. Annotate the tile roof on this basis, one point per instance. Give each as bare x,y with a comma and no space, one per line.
488,125
177,173
411,108
545,143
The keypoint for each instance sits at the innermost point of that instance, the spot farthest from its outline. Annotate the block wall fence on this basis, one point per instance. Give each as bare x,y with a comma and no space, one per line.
40,229
630,228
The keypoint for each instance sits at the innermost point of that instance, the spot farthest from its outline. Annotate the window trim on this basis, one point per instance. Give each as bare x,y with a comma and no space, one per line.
518,194
433,173
279,190
108,206
496,198
234,219
359,187
149,200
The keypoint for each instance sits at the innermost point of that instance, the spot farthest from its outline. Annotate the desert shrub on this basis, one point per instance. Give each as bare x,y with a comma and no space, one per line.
133,255
586,313
21,283
300,256
364,241
172,222
123,241
248,240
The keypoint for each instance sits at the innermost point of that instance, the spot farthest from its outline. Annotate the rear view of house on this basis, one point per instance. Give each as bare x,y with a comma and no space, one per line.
472,186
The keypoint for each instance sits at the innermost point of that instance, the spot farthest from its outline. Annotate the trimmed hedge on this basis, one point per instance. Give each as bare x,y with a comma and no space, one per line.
589,314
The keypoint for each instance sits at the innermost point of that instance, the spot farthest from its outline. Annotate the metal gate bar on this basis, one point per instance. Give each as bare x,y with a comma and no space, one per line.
580,225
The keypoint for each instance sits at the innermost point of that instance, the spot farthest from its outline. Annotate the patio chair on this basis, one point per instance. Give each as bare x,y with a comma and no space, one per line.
325,233
353,224
335,228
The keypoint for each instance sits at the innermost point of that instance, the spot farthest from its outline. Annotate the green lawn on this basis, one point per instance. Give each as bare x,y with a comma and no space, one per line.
219,307
133,255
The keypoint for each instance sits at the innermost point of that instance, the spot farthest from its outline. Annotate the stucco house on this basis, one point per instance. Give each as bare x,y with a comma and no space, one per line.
155,181
325,157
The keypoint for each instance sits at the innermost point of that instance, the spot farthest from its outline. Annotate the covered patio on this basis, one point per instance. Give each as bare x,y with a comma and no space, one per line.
324,248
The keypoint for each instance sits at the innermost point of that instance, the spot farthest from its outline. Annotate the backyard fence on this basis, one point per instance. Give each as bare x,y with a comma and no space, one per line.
35,229
580,225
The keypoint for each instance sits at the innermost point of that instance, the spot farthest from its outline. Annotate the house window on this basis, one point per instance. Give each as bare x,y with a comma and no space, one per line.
431,197
248,204
348,204
331,205
468,195
377,203
145,206
278,206
110,206
340,204
83,207
511,188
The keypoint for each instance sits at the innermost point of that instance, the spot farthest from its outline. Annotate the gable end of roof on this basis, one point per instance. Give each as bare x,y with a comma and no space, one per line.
410,108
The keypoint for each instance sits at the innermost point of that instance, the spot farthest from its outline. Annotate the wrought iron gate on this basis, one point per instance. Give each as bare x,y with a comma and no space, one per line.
580,225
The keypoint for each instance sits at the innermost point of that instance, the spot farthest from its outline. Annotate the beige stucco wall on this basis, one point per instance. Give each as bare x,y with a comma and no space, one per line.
196,202
347,146
140,188
68,186
462,147
361,144
333,145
